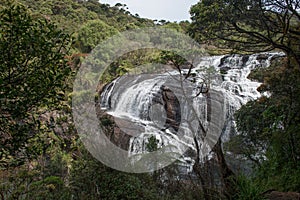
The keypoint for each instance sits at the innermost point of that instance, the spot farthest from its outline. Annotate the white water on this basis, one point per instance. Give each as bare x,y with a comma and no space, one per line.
138,98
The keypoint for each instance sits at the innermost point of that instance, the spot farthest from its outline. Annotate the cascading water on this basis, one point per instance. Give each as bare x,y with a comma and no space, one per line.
148,102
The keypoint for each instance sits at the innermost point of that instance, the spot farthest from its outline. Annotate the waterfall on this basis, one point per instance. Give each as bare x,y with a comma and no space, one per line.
154,104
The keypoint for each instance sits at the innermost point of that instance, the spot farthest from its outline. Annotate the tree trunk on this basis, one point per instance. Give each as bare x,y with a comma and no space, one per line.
227,175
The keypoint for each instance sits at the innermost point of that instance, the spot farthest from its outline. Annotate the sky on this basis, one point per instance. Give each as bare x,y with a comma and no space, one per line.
170,10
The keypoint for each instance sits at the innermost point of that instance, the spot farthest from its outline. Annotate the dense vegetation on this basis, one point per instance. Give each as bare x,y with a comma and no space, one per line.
42,44
269,126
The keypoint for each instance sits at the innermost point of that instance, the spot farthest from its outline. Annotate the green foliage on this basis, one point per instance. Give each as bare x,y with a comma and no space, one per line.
34,79
251,26
49,188
152,144
134,62
67,14
269,127
173,58
72,14
105,121
92,33
272,139
92,180
32,74
247,189
41,157
280,176
21,183
174,26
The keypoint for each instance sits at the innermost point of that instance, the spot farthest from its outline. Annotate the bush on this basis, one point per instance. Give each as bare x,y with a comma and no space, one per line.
247,189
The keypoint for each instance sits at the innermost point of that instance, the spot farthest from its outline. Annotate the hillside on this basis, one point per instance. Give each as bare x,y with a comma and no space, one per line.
44,44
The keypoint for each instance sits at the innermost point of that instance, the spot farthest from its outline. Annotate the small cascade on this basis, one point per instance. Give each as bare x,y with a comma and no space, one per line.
105,100
136,101
154,103
236,86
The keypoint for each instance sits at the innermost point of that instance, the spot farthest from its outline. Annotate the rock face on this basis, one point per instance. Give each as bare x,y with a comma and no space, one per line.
112,131
234,61
172,108
275,195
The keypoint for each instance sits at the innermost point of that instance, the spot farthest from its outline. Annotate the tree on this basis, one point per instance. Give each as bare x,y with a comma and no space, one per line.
32,75
92,33
272,139
269,126
251,26
174,26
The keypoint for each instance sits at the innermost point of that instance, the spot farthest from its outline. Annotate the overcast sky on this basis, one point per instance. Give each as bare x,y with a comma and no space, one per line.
170,10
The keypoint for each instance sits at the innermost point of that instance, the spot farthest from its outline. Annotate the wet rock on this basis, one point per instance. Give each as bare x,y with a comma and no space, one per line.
172,108
275,195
